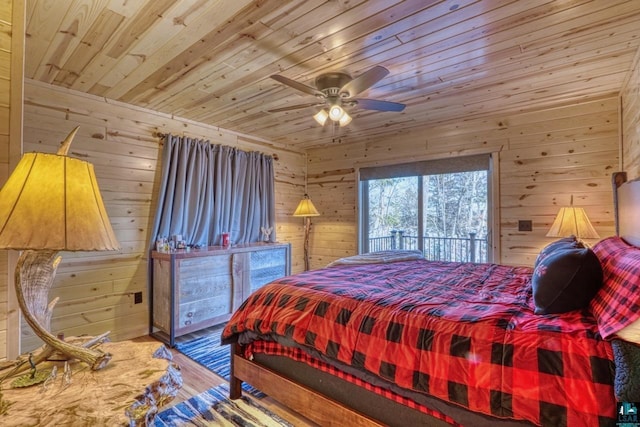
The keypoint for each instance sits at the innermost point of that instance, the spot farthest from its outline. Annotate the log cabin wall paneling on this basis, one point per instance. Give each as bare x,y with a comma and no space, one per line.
96,289
630,101
12,22
545,157
5,100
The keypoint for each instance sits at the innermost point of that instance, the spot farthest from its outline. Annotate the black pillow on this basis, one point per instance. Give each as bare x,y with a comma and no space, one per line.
566,276
563,243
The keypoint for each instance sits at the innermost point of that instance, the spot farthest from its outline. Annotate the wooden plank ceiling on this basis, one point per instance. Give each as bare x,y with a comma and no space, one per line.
210,61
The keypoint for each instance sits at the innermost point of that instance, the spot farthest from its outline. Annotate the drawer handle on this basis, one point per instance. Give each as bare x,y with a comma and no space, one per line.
187,323
190,314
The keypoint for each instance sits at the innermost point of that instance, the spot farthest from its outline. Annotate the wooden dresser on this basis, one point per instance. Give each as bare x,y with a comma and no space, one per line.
192,290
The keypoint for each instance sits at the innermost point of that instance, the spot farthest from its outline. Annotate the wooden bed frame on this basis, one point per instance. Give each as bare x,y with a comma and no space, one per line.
311,404
328,412
626,202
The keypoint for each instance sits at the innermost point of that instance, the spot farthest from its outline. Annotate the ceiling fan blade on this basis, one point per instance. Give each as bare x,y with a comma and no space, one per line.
374,104
294,107
297,85
364,81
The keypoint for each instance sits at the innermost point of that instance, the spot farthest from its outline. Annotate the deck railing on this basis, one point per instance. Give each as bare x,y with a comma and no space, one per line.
460,249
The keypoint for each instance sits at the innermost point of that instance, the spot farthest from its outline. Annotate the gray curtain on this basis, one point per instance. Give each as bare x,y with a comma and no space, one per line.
208,189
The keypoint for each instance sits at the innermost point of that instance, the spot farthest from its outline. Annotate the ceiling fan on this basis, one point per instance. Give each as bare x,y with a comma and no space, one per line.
337,90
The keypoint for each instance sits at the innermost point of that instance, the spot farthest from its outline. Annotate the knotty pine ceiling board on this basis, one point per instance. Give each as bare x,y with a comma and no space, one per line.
449,61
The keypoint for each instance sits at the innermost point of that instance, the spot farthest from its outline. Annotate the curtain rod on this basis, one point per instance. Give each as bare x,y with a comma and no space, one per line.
163,135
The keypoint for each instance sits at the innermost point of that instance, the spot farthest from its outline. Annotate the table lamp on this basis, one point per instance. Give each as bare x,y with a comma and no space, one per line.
306,209
572,221
52,203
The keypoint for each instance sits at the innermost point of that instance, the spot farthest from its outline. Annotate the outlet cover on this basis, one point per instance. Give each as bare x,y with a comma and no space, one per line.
525,225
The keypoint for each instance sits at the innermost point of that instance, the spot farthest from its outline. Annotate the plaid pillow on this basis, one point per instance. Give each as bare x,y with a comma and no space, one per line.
608,248
617,303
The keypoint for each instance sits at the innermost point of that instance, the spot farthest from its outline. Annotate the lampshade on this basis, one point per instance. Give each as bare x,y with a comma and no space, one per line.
52,201
336,112
306,208
345,119
572,221
321,117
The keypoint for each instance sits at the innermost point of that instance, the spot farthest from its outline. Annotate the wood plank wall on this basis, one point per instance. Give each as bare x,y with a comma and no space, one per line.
12,22
96,288
630,100
545,157
5,101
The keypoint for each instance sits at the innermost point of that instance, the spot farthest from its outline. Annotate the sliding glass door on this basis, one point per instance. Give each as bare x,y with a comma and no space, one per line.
393,207
455,211
445,214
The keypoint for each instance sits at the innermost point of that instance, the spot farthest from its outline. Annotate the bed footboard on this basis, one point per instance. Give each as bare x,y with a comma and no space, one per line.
235,384
311,404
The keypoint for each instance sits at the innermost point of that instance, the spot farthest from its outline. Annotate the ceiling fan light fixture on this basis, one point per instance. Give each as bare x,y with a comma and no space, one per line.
345,119
337,90
336,112
321,117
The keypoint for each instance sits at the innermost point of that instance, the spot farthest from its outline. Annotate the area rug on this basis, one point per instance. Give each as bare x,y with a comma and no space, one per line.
213,408
207,351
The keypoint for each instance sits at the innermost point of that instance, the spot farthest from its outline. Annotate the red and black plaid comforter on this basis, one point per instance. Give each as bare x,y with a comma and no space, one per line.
465,333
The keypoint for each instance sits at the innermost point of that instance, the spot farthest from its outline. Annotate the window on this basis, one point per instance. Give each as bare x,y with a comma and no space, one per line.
441,207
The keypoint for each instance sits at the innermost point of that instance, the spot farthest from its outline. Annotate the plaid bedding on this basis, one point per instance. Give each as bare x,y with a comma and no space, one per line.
465,333
616,305
294,353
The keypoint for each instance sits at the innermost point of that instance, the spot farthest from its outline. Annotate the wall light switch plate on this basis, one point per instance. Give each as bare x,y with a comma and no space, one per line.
525,225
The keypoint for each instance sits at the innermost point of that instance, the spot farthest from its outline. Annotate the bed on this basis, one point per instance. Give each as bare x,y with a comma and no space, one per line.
394,339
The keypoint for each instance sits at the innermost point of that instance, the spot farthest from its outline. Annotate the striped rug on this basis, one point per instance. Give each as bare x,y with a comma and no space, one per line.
204,347
213,408
207,351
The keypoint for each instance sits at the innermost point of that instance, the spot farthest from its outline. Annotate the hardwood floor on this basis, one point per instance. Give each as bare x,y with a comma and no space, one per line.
197,379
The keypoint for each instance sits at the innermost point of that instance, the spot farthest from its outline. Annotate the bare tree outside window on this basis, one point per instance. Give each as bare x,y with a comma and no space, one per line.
393,205
449,222
455,204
